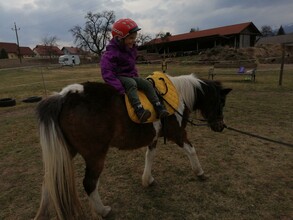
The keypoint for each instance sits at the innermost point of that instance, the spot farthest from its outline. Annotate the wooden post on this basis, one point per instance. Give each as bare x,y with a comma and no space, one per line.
18,47
282,65
164,63
164,66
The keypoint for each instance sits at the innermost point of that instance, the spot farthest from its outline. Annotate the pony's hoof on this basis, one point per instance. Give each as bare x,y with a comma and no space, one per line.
203,177
153,184
148,182
107,210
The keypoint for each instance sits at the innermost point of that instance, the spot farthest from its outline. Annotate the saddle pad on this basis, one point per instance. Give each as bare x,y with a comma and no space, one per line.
165,88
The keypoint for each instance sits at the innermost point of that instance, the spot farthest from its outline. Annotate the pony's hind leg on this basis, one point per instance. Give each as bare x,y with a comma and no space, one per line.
194,161
97,204
43,212
147,178
91,183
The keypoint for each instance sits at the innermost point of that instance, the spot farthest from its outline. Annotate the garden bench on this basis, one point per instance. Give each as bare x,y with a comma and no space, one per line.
241,71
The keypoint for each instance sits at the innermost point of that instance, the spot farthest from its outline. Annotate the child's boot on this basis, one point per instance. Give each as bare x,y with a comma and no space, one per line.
142,114
161,110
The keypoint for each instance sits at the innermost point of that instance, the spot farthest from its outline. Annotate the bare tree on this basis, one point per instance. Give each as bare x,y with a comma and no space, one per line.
3,54
142,38
165,39
96,32
49,42
163,36
194,29
267,31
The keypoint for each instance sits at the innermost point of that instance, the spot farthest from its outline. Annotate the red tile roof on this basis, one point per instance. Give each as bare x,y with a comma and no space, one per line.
12,48
226,30
8,47
73,50
26,51
44,50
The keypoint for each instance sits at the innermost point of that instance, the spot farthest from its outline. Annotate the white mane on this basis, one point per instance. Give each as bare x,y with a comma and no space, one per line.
186,85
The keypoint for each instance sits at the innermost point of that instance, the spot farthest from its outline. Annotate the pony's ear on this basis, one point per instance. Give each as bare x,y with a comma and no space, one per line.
226,91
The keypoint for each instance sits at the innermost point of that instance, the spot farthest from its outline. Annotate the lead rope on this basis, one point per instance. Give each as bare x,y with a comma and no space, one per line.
259,137
195,124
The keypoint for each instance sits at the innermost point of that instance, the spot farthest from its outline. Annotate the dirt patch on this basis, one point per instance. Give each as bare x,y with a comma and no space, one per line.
270,53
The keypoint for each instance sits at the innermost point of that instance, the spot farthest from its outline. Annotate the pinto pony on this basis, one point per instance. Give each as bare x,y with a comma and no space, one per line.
88,118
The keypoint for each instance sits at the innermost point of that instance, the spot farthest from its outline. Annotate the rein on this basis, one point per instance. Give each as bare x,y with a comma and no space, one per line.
187,119
184,118
164,121
161,97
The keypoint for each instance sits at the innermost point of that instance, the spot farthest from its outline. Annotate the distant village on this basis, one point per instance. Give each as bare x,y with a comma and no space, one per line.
40,51
236,36
13,56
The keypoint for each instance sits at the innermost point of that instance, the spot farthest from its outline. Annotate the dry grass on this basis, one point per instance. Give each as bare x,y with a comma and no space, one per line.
249,178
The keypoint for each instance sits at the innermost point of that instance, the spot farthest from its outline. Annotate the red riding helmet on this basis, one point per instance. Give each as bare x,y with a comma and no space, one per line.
123,27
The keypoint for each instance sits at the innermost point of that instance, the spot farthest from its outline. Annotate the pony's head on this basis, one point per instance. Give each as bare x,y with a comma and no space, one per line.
207,96
210,100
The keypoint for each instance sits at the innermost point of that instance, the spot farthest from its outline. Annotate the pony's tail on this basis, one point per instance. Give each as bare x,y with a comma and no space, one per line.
59,175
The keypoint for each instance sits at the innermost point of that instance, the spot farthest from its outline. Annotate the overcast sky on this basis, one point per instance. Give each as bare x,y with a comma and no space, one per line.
44,18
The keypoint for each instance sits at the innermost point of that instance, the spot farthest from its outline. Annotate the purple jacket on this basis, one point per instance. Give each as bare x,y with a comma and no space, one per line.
118,60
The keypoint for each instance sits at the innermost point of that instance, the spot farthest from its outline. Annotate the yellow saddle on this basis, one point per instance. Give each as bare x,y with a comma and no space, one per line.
165,88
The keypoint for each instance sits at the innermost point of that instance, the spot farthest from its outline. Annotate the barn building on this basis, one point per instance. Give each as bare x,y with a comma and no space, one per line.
235,36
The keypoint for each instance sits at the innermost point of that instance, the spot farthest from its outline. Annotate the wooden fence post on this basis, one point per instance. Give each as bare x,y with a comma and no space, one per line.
282,65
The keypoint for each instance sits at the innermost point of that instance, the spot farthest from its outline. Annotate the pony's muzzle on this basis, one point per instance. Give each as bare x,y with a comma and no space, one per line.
218,126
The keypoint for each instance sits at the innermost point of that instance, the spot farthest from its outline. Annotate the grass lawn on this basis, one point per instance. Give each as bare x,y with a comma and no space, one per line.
249,178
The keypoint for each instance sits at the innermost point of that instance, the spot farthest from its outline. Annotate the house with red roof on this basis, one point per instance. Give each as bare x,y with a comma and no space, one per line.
234,36
12,50
72,51
43,51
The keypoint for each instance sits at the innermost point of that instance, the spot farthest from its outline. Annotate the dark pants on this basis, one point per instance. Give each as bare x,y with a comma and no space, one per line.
132,84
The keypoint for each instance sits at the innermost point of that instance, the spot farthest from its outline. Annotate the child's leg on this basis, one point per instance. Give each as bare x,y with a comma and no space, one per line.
147,87
130,86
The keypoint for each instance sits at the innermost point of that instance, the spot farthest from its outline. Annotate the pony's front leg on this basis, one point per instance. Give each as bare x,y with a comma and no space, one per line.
147,178
195,164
